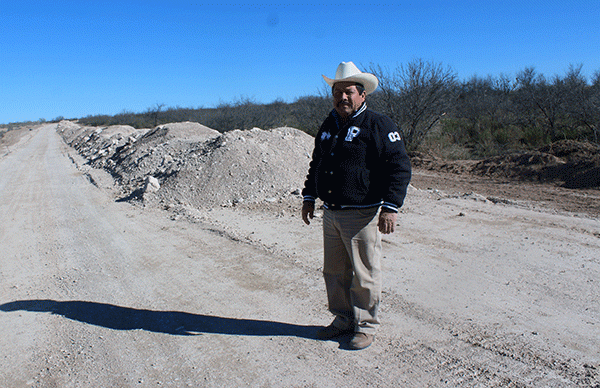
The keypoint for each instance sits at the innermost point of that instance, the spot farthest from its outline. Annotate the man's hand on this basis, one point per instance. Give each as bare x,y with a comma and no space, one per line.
387,222
308,211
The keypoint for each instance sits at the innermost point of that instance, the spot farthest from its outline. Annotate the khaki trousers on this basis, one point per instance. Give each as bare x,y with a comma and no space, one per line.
352,267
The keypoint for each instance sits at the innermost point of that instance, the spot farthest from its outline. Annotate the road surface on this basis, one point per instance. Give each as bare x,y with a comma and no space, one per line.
99,293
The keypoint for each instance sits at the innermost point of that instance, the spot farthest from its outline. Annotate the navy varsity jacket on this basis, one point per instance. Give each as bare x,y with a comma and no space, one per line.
362,163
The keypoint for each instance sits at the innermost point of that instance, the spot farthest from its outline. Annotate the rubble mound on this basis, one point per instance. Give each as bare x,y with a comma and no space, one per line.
98,144
242,166
195,165
159,151
185,131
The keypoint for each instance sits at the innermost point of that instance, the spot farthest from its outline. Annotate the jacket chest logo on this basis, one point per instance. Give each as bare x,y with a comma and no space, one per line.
352,133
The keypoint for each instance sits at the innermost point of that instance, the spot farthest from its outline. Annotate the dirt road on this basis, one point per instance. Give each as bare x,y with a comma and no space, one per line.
98,293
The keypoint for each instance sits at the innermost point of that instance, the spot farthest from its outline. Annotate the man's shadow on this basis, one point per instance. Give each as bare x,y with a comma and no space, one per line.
168,322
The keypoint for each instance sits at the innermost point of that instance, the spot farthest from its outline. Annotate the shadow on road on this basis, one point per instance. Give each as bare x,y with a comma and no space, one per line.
169,322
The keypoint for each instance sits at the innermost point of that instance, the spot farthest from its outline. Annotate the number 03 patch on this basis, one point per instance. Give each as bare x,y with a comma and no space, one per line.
394,136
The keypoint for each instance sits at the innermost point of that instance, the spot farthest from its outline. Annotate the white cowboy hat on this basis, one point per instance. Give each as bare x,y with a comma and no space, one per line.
348,72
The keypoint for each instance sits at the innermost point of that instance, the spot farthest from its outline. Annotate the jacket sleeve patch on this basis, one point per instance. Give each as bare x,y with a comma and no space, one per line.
394,136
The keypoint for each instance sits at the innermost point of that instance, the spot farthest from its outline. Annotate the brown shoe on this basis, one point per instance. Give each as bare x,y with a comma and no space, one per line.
329,332
360,341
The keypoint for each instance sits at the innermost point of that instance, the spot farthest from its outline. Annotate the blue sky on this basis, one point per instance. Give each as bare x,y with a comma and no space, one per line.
88,57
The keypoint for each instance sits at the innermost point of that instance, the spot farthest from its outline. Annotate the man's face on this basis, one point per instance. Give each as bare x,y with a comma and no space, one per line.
346,99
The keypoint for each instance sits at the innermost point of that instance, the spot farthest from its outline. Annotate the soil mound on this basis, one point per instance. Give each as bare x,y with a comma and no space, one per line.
242,166
572,150
565,163
195,165
430,162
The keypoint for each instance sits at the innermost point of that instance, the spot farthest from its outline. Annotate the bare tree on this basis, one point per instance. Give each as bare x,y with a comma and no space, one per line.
155,112
416,96
541,103
310,111
564,108
479,113
582,103
595,105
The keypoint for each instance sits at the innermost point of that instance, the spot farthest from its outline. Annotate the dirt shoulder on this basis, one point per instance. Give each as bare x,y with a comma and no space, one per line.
585,202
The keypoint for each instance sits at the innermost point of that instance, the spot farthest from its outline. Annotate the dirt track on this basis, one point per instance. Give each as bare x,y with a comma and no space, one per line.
94,292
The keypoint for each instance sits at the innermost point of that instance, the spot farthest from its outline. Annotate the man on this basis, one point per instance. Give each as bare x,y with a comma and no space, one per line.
360,170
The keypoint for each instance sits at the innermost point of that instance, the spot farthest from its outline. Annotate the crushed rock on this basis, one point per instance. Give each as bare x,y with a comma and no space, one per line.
192,165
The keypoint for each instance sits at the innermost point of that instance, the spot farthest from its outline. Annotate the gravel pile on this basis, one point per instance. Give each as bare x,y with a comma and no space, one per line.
194,165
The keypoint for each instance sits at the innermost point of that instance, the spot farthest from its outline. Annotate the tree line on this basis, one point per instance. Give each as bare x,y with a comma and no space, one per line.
306,114
480,116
